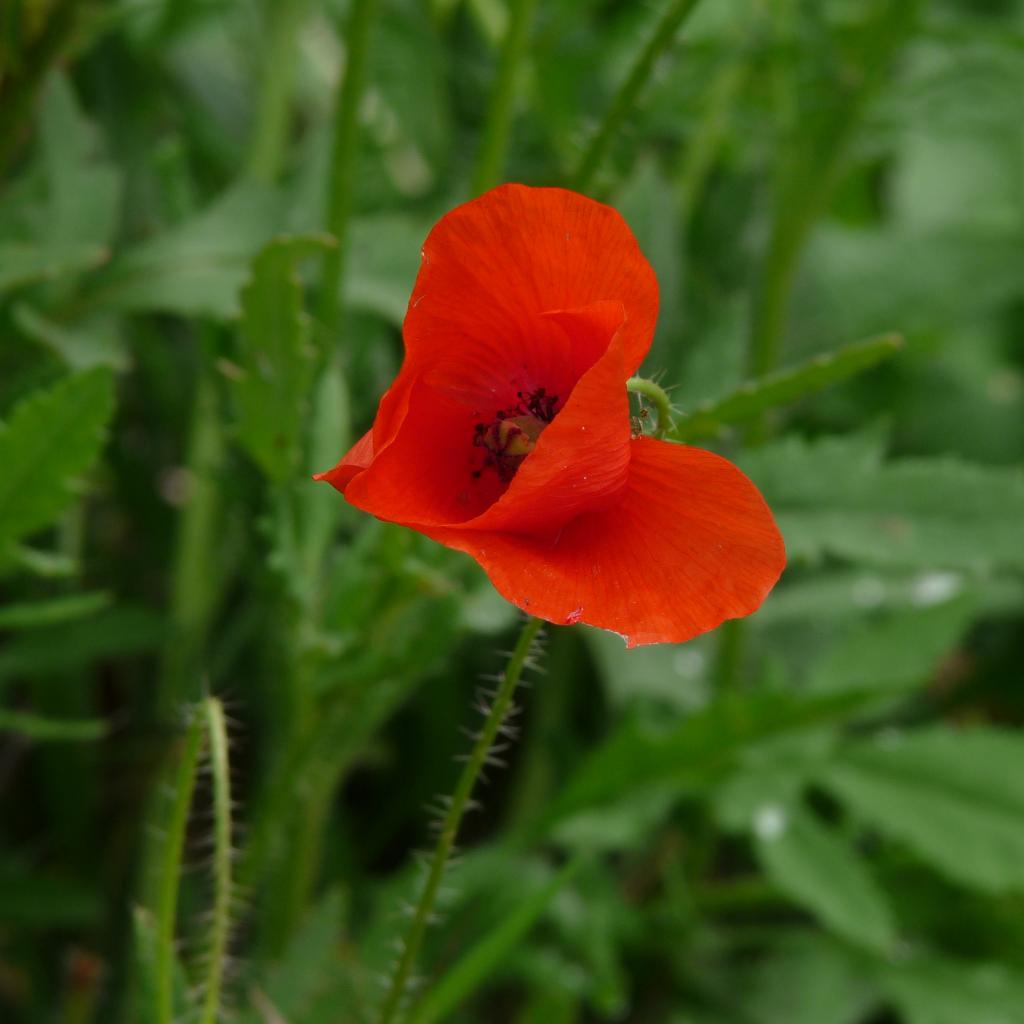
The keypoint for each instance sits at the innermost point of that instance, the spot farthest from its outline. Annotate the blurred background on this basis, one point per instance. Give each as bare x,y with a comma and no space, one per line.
210,221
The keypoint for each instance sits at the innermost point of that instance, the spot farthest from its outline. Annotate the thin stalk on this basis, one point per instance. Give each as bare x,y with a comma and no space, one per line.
194,588
453,818
656,394
221,918
169,868
270,129
19,90
344,154
498,125
676,12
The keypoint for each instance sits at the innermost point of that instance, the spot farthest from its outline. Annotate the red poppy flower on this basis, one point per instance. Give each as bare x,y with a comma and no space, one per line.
507,432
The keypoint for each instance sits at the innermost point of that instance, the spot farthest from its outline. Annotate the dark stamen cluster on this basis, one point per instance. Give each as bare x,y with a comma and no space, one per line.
511,435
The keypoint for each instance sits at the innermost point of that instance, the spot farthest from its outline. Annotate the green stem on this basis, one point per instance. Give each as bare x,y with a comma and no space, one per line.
18,91
658,395
221,919
453,817
498,125
169,868
344,153
194,583
270,131
625,99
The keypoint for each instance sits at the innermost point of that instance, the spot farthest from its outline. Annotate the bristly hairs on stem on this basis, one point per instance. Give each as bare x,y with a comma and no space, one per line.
496,706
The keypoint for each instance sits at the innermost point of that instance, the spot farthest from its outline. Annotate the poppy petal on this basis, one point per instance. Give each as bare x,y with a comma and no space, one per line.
355,460
689,544
493,265
582,458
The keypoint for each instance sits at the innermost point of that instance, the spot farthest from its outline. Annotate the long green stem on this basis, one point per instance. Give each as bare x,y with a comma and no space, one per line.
498,126
344,153
676,12
222,854
453,817
270,129
169,869
194,583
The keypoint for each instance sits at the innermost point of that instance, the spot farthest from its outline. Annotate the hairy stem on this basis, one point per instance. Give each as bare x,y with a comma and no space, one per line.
498,125
453,817
676,12
169,868
221,919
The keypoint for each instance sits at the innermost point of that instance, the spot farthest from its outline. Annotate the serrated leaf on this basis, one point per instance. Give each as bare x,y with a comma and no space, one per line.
956,798
196,268
52,437
638,757
757,396
837,497
275,356
822,872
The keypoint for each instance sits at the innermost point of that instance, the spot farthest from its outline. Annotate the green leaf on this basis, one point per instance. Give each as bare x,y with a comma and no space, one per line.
901,650
115,632
22,263
638,757
52,437
938,990
38,727
837,497
473,969
83,345
290,986
32,614
195,268
35,899
821,871
757,396
955,797
275,357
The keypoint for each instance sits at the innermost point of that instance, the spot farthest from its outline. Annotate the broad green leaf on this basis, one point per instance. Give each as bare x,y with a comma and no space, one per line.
938,990
83,345
638,757
52,437
837,497
470,972
32,614
822,872
757,396
383,260
275,357
195,268
900,650
807,979
39,727
63,228
290,986
955,797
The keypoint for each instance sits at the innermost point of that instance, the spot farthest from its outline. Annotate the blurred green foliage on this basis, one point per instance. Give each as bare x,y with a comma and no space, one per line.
814,817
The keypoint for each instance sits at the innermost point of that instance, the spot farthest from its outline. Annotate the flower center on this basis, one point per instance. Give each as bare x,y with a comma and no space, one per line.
513,432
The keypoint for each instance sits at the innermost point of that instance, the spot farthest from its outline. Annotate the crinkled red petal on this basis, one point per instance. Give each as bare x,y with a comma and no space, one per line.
492,265
689,544
425,476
